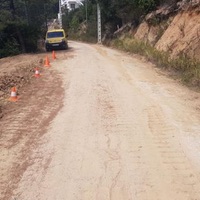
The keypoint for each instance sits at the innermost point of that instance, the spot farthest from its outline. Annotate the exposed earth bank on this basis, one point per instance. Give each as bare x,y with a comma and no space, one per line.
169,30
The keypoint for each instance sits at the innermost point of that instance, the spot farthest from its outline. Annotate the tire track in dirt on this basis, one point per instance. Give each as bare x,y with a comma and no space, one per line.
107,109
155,143
122,165
174,161
114,138
127,129
23,125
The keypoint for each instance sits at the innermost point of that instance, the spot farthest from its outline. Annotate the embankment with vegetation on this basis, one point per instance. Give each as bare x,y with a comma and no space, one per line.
166,32
182,67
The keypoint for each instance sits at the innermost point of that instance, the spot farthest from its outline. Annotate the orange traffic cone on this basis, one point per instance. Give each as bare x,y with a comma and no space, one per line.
37,73
53,55
47,63
13,96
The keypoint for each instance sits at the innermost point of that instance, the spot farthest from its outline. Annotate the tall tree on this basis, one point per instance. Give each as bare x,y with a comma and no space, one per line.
22,23
15,20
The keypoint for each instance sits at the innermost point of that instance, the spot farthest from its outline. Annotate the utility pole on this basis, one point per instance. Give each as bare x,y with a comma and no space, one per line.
60,14
99,23
86,11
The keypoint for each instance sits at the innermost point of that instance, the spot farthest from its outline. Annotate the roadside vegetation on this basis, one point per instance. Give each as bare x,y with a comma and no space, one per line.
117,14
183,67
23,23
82,22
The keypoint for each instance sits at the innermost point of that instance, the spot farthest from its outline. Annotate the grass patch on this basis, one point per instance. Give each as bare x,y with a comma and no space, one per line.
187,69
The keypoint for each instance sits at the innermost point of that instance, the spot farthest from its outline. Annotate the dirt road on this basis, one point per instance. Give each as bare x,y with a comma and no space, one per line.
101,125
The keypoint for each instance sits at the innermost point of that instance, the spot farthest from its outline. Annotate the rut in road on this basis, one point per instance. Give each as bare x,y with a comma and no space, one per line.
22,127
125,131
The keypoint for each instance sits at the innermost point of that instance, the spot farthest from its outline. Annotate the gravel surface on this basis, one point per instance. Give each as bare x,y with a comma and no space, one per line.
101,124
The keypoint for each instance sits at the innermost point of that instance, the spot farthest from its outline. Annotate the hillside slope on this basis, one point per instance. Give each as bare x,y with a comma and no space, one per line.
182,36
179,34
170,28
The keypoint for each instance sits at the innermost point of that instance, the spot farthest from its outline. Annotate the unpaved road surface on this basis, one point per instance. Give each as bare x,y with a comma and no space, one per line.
101,125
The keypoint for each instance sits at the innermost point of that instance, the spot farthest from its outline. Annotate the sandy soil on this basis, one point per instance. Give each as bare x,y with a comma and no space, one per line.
101,124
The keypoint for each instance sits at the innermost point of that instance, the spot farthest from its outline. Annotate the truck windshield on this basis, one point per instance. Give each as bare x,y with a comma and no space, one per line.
55,34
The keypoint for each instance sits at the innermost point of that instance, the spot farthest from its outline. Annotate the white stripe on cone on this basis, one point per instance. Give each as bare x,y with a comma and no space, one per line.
13,94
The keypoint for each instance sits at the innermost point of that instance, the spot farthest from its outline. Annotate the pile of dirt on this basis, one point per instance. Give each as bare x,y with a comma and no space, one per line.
17,71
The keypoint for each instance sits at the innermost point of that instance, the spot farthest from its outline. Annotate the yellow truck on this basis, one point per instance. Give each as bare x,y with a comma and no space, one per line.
56,39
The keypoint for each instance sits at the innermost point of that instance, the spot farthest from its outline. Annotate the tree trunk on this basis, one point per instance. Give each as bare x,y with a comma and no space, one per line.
19,35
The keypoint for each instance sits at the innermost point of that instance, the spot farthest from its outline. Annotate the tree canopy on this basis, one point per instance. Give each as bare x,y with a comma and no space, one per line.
115,13
22,23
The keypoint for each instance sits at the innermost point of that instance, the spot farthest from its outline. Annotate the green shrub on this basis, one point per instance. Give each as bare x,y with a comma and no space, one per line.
147,5
9,48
